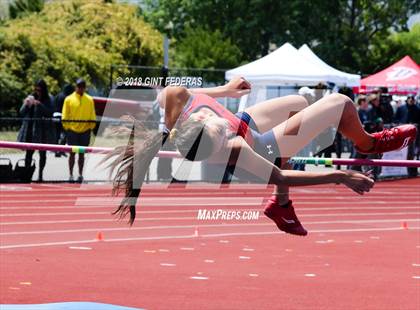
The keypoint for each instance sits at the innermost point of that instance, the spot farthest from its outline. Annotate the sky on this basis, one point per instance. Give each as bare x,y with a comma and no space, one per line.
413,20
4,3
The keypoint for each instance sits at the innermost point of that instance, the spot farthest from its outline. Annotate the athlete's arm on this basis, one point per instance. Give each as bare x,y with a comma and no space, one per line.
173,99
265,170
235,88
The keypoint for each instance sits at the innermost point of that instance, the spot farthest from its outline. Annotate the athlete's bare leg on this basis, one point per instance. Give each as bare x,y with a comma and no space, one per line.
267,115
335,110
293,114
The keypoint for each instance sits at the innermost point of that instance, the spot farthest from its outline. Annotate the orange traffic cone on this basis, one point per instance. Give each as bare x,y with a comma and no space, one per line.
404,225
99,236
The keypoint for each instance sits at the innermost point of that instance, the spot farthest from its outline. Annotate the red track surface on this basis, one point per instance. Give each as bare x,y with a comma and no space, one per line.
358,254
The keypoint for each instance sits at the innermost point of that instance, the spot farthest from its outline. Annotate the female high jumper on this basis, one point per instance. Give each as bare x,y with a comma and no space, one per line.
259,140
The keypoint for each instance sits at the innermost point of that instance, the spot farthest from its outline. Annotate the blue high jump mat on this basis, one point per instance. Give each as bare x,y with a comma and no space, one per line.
67,306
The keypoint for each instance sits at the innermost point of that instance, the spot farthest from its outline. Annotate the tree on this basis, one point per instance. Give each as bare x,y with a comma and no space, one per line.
395,47
20,8
406,43
250,25
70,39
352,28
342,32
202,48
205,49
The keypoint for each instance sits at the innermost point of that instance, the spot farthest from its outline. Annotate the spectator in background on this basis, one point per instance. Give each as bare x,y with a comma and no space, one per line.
36,106
364,112
78,106
409,113
371,123
381,107
374,110
58,105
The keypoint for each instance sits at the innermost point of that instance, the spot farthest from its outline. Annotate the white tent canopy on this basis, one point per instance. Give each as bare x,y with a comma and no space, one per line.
287,66
284,66
337,77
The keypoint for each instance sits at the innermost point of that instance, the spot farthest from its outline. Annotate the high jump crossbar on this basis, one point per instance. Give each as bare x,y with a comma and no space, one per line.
170,154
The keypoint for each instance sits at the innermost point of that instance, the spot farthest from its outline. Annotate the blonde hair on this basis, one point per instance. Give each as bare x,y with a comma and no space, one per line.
172,134
131,162
193,140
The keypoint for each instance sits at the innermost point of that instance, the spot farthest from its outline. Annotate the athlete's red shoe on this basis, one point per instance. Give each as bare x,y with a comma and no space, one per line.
391,139
284,217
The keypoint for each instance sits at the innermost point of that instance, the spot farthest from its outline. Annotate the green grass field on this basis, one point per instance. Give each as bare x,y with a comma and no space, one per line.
8,136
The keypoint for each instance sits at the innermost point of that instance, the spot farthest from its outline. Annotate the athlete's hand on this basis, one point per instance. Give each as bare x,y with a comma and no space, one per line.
237,87
357,181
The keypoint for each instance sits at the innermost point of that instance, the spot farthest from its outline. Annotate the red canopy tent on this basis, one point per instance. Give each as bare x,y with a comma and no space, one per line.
403,77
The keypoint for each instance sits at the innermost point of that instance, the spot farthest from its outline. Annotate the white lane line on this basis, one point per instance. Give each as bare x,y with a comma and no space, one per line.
53,214
90,241
50,195
312,231
244,257
59,222
415,265
25,283
349,207
241,189
196,211
310,275
324,241
112,219
100,193
29,245
102,213
187,193
167,265
198,278
14,188
221,225
253,275
158,204
146,200
182,200
198,202
79,248
209,261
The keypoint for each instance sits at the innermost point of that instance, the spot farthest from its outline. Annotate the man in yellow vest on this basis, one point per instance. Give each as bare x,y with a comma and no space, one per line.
78,106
